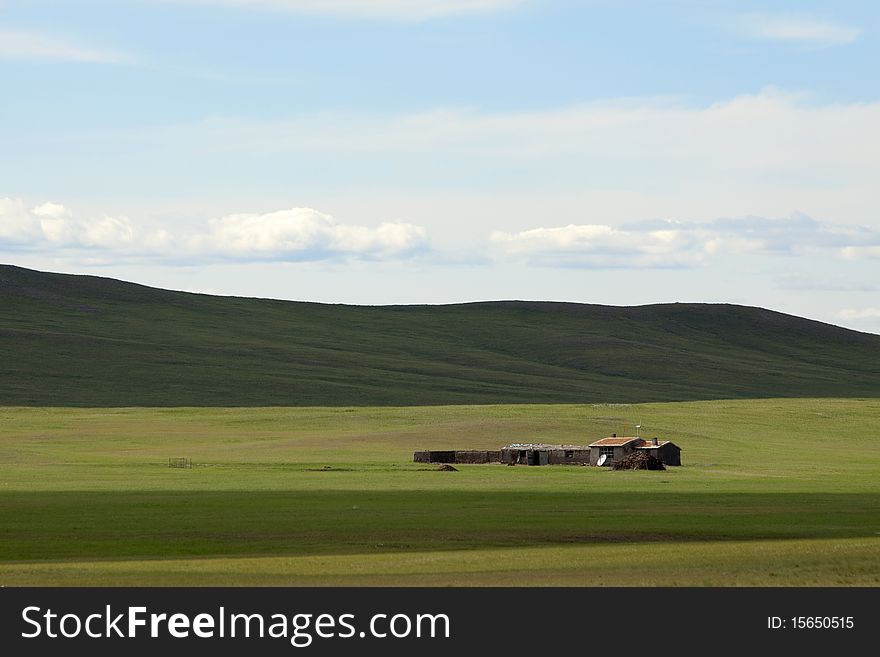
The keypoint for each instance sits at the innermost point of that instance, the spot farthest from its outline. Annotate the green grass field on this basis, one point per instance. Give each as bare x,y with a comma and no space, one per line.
773,492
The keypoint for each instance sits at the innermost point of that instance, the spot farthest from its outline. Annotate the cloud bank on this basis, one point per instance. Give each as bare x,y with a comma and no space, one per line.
52,226
306,234
297,234
664,243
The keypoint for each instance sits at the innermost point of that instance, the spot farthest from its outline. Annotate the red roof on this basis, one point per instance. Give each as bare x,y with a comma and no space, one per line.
650,445
614,441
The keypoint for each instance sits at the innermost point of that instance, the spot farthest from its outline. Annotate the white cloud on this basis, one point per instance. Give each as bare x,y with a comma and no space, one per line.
33,45
797,29
859,313
17,224
298,234
600,246
306,234
53,225
395,9
795,234
662,243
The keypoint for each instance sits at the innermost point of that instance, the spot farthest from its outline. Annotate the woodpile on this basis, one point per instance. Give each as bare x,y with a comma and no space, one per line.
639,461
447,468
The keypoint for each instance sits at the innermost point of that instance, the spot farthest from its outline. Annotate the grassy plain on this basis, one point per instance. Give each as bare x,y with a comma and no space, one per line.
772,492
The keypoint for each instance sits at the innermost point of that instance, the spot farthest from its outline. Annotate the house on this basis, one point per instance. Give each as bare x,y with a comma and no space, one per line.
616,447
612,448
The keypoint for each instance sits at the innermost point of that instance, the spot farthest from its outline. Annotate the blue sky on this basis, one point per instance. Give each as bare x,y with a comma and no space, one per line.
392,151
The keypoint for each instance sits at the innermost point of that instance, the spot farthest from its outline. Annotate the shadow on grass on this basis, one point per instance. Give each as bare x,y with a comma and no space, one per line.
98,525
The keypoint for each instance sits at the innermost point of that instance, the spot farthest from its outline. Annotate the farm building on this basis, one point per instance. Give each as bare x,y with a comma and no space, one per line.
616,447
613,448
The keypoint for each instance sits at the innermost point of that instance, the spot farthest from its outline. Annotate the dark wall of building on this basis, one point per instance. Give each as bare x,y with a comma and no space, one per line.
669,454
569,456
512,456
457,456
477,456
619,453
444,456
526,456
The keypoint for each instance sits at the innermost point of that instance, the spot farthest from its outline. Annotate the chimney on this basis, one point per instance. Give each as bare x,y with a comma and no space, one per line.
656,442
614,435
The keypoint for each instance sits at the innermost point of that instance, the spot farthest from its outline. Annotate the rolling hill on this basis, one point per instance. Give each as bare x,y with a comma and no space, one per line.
87,341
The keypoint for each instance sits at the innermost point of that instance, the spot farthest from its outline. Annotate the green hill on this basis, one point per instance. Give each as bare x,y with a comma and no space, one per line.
88,341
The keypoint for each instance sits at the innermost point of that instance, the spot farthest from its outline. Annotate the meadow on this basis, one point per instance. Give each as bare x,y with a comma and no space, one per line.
772,492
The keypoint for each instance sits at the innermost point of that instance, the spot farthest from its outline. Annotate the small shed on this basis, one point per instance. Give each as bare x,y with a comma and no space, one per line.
665,450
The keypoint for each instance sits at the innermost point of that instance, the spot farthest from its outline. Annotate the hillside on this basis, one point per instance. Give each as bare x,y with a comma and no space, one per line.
88,341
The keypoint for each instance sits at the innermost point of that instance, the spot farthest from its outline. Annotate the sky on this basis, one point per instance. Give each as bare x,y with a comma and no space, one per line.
440,151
